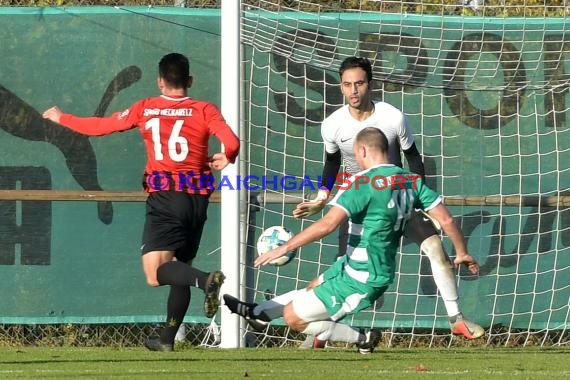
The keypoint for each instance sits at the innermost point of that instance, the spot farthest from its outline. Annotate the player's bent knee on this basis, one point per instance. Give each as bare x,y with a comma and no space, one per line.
296,324
292,319
152,279
314,282
433,249
153,282
152,261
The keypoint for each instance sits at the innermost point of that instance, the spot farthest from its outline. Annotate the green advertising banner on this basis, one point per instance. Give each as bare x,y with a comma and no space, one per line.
493,124
486,98
66,261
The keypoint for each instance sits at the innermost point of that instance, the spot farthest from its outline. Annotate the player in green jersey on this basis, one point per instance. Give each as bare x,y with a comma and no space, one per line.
377,202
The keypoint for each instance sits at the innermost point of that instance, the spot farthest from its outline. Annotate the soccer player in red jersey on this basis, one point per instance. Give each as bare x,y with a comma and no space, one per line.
178,178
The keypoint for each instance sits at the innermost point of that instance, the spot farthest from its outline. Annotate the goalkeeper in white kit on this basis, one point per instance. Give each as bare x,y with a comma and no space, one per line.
338,132
355,281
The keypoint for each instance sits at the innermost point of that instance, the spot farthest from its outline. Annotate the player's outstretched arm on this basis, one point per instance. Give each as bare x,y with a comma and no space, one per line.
314,232
469,262
53,114
414,159
450,228
313,206
92,126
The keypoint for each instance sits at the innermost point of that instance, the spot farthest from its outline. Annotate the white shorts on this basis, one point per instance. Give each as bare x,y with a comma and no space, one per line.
309,307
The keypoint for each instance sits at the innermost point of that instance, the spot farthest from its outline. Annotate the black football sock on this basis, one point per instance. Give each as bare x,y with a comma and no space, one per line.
178,273
176,307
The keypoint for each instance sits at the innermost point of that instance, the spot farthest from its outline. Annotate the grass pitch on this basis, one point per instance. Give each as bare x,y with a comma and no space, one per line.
289,364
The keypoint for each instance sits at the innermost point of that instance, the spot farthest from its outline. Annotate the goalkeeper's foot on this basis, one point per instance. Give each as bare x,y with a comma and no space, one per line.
311,341
245,310
212,290
463,326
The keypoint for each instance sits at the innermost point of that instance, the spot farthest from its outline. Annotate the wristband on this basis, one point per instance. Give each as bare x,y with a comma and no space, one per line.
323,194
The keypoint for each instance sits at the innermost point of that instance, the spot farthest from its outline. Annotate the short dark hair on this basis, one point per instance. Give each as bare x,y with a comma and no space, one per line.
354,62
174,68
373,138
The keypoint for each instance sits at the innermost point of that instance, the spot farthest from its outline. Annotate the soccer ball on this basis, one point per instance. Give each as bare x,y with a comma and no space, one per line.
272,238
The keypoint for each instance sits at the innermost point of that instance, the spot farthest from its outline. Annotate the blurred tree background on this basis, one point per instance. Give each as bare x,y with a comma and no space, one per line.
488,8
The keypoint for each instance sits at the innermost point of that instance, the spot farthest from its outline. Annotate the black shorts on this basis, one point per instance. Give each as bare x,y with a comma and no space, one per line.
174,222
419,227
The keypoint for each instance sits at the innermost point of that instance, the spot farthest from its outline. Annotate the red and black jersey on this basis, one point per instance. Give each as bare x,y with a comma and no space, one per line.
175,132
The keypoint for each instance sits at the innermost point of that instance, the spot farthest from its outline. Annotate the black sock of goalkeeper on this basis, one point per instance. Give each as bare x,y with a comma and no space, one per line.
176,308
180,274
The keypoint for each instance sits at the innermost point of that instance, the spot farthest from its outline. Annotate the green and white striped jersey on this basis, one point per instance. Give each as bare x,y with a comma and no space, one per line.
378,202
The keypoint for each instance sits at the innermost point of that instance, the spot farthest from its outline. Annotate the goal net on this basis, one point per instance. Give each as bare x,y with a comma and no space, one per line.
487,100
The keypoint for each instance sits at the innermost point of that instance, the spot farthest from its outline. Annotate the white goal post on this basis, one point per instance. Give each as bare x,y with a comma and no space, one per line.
231,221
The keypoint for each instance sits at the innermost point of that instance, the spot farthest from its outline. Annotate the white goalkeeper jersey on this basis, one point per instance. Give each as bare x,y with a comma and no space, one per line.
339,129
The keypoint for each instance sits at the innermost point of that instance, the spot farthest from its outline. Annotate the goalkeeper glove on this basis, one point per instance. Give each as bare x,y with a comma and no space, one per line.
313,206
